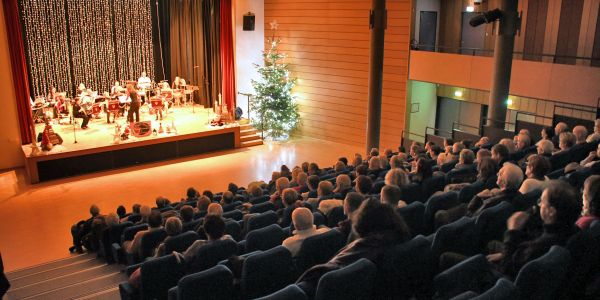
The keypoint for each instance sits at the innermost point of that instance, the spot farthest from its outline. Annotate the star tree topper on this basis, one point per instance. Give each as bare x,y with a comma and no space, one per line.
274,25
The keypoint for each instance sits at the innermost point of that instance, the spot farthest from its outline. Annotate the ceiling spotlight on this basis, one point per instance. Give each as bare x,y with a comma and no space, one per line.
470,8
486,17
458,93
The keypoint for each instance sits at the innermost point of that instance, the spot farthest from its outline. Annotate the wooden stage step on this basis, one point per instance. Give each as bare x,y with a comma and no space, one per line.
249,136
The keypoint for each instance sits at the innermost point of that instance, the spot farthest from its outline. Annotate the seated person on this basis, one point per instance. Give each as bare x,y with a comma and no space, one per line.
83,228
379,227
591,159
290,203
545,148
214,229
352,202
484,140
591,202
422,171
363,185
281,184
559,208
302,186
566,141
595,136
509,180
303,223
201,206
343,187
500,154
391,195
536,170
397,177
313,184
580,133
324,191
154,222
173,227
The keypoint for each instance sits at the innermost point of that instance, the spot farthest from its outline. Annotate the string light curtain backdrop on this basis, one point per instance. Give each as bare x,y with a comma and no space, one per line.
91,42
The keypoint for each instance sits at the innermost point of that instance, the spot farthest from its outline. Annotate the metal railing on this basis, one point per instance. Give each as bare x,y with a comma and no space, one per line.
558,59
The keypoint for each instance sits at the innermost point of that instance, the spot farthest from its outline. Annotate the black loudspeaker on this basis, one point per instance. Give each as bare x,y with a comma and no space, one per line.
249,22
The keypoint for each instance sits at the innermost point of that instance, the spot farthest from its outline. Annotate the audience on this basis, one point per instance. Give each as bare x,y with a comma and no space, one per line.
561,127
566,141
82,231
391,194
545,148
304,228
173,227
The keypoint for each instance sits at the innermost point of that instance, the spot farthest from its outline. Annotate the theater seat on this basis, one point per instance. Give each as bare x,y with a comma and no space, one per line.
264,238
235,214
319,249
214,283
290,292
158,275
491,224
502,290
473,274
459,237
413,216
262,207
542,278
407,271
355,281
262,220
181,242
266,272
211,254
149,242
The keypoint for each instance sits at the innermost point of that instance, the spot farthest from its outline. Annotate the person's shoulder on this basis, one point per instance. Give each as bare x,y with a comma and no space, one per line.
323,229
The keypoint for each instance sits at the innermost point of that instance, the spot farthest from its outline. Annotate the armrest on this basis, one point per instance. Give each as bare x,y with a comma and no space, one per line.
127,291
131,269
173,293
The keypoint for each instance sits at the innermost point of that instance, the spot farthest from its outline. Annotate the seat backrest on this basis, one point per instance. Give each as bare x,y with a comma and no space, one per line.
266,272
180,242
150,241
192,225
258,200
264,238
262,207
211,254
335,216
433,184
441,201
466,193
115,232
459,236
319,249
214,283
262,220
354,281
235,214
491,224
413,216
231,206
130,232
503,289
290,292
542,277
234,229
407,271
159,275
411,193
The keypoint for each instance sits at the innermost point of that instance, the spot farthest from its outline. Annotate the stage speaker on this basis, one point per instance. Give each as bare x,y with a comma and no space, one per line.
249,22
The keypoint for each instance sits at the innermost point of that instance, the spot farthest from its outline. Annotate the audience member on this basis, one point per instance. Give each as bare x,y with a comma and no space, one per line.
363,185
135,214
566,141
155,221
545,148
302,186
481,154
83,229
591,202
592,158
561,127
500,154
281,184
214,229
509,144
537,168
187,213
352,202
580,133
121,212
595,136
391,195
397,177
304,228
214,209
173,227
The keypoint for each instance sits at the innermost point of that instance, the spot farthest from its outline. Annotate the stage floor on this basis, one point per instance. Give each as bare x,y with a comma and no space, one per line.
99,133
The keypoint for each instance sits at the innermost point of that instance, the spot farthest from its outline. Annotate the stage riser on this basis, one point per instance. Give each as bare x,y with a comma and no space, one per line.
121,158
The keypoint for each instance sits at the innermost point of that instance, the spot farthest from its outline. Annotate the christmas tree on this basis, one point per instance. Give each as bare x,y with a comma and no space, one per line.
274,107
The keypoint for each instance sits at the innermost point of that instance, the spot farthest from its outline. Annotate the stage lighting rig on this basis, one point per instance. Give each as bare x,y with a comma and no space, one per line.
486,17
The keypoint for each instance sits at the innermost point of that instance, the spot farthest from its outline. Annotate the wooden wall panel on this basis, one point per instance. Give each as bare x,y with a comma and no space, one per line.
327,43
568,31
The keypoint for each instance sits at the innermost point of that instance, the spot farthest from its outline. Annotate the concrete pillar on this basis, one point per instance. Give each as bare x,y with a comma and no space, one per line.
503,54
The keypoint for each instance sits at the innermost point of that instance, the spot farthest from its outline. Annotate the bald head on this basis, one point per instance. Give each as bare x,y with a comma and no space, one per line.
580,133
302,218
510,176
560,128
215,209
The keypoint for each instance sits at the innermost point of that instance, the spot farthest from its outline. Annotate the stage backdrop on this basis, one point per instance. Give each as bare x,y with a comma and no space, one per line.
94,42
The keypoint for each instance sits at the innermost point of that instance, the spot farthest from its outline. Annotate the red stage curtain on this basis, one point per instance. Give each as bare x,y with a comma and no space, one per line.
227,67
19,68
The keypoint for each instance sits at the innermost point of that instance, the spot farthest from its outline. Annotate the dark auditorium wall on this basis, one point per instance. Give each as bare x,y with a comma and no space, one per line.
327,43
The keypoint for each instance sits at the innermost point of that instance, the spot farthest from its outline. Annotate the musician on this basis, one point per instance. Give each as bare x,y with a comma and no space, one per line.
81,89
144,82
58,102
80,112
117,89
135,103
178,86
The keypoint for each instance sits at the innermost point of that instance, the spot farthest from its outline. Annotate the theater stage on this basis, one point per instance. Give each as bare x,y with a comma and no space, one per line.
96,149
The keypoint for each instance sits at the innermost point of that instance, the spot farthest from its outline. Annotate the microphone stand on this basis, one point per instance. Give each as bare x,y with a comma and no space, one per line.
75,130
247,95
